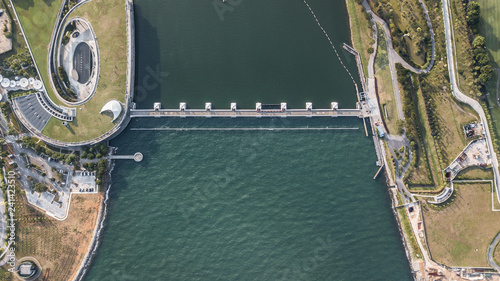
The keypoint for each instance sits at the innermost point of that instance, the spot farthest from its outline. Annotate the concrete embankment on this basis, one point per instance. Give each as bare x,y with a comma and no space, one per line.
87,261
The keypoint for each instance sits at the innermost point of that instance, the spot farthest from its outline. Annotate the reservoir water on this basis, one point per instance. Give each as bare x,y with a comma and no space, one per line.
246,205
261,51
249,205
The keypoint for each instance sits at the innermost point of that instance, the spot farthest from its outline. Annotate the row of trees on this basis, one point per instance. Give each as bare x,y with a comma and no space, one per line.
97,151
99,168
68,93
40,147
412,121
483,72
429,93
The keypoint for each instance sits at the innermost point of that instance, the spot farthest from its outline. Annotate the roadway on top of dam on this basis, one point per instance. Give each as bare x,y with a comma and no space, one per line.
248,113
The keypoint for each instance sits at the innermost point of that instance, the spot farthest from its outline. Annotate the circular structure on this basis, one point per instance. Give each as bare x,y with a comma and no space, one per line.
37,84
31,80
24,82
1,77
12,83
138,157
28,268
82,62
79,56
5,82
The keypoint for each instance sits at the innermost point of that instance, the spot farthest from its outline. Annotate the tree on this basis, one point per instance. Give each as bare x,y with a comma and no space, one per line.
486,75
479,42
481,56
473,14
40,187
370,50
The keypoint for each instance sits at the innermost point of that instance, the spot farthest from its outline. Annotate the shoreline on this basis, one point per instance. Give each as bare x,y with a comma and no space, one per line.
390,191
94,245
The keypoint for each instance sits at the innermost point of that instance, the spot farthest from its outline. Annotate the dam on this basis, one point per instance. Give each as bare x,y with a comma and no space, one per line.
261,110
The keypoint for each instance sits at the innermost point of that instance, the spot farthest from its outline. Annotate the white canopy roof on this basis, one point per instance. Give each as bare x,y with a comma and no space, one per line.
37,84
5,82
24,82
114,107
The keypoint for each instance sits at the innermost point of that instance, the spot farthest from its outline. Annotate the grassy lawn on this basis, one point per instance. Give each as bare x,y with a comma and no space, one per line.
441,117
464,55
109,23
59,245
475,173
455,232
412,241
387,102
38,19
360,32
384,85
490,27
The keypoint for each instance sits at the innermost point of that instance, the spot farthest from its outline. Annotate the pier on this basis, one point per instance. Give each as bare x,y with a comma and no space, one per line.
378,172
137,157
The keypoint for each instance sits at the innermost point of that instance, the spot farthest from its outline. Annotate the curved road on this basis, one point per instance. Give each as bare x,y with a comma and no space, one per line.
491,249
394,57
477,107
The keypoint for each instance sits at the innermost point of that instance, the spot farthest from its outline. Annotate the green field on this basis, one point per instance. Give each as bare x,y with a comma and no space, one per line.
38,19
453,232
107,18
384,85
490,27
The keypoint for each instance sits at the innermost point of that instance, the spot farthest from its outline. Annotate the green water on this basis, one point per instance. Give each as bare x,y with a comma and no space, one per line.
262,51
258,205
246,205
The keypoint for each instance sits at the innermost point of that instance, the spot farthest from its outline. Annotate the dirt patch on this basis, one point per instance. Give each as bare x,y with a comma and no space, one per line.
5,32
60,246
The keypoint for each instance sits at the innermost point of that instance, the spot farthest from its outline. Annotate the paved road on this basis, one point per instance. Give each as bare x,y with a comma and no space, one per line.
395,142
463,98
491,249
394,57
498,85
391,55
473,103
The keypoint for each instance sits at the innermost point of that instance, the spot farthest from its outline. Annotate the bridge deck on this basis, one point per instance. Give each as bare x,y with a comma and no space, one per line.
247,113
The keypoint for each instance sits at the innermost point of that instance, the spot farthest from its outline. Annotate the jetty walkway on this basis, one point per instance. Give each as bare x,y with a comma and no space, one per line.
137,157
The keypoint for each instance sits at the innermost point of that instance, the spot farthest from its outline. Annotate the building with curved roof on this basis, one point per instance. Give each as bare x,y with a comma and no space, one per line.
114,107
